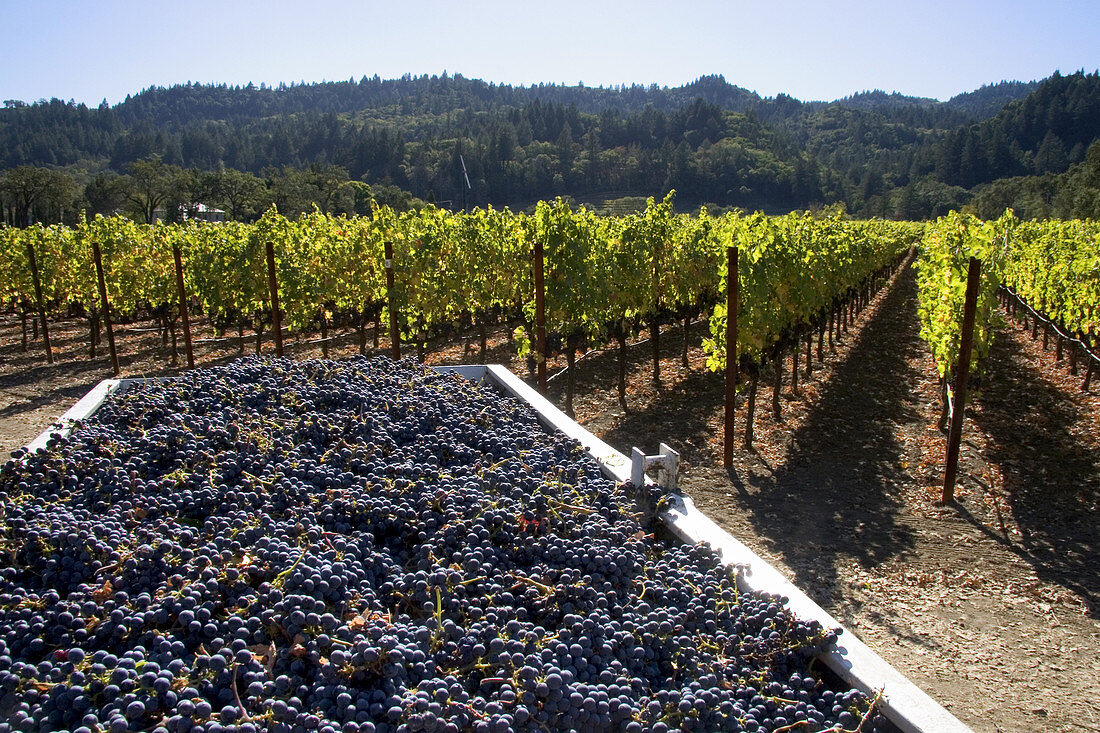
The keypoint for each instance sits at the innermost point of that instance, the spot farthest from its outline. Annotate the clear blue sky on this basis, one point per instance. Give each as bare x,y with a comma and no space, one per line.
811,49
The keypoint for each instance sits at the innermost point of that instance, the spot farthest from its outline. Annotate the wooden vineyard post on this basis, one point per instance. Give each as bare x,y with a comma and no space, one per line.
1072,354
655,323
38,300
1091,365
182,291
732,296
273,284
395,332
655,330
954,438
684,354
821,339
540,317
794,367
809,353
106,306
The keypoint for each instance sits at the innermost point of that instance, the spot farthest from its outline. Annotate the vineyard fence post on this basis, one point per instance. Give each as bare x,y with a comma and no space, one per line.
273,284
954,439
1091,365
540,316
183,305
655,324
106,305
732,304
38,300
391,296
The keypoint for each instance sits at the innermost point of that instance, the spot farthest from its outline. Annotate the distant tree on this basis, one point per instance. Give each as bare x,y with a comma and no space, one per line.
871,191
103,194
287,190
565,150
29,192
1051,155
383,194
329,182
150,184
239,193
185,193
1079,196
295,191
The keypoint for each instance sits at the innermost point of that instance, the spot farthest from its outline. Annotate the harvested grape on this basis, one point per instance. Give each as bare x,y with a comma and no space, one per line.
367,546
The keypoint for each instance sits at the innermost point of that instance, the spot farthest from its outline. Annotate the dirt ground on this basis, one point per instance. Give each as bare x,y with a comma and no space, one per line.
991,605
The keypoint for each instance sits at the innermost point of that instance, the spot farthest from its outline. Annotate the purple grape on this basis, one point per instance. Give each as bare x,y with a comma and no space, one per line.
366,546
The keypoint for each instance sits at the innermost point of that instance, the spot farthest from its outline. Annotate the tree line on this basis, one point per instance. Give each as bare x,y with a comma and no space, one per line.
152,190
465,143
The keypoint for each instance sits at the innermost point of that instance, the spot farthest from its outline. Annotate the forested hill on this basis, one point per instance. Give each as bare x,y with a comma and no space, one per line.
990,98
410,96
976,105
714,142
1043,133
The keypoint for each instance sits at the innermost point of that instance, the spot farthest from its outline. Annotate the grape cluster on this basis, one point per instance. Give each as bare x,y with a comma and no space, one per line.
367,546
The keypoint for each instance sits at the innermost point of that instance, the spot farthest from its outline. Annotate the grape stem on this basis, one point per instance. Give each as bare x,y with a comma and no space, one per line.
572,507
237,697
281,577
472,580
541,586
870,709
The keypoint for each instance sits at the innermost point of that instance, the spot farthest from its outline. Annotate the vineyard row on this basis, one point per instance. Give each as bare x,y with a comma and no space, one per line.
605,278
967,264
1052,266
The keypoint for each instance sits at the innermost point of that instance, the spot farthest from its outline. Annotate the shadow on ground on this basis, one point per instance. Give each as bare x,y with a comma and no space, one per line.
1051,480
844,470
844,467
